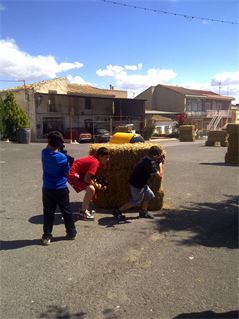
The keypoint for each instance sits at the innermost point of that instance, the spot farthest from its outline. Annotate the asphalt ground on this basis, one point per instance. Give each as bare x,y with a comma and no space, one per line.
182,264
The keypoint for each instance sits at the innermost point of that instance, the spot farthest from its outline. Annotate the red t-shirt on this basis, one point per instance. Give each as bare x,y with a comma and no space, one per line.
80,167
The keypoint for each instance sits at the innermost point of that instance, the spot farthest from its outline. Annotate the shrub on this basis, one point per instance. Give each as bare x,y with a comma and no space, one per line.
12,117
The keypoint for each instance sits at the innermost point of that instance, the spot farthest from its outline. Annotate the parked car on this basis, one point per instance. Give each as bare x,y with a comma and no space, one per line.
80,134
101,135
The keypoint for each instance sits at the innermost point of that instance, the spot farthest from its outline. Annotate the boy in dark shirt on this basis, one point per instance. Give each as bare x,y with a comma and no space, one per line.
55,192
140,191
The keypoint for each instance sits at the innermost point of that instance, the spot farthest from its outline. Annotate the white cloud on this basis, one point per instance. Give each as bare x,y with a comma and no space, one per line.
227,83
136,83
15,63
225,78
111,70
134,67
77,79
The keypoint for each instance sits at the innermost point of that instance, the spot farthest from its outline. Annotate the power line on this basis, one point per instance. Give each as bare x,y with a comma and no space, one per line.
186,16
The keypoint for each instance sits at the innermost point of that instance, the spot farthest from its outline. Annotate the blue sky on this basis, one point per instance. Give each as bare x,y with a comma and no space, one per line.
100,43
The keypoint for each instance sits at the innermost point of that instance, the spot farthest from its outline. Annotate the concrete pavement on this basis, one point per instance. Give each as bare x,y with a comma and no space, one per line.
183,263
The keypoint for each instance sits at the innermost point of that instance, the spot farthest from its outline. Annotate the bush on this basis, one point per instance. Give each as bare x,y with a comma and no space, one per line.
12,117
148,130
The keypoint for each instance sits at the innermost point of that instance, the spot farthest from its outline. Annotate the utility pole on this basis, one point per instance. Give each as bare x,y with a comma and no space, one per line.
25,91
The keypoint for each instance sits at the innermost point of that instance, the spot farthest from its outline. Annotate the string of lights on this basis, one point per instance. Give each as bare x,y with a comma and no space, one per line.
186,16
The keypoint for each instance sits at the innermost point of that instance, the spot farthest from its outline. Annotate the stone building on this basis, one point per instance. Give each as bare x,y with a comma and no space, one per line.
206,109
57,104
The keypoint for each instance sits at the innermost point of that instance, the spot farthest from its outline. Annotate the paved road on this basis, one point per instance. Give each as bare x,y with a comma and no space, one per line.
183,264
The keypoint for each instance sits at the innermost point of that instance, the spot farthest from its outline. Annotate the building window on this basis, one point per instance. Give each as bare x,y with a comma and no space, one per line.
207,106
194,106
52,103
214,105
88,105
199,106
188,108
76,110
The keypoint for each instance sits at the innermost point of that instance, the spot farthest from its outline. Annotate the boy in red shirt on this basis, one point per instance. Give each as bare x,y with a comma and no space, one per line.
81,177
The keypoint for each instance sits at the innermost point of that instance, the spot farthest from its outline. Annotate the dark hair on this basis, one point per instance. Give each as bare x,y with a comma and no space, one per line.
154,150
101,152
55,139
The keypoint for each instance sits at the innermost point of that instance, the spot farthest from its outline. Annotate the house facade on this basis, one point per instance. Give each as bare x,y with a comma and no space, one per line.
206,109
58,105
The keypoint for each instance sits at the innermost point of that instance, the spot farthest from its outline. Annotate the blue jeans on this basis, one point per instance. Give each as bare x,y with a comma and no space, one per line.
140,194
51,198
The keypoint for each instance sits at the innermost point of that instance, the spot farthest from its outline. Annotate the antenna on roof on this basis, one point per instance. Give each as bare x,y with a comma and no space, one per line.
219,87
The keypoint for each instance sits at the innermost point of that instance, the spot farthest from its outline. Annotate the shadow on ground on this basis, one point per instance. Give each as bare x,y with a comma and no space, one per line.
209,315
38,219
55,312
112,222
16,244
209,224
219,164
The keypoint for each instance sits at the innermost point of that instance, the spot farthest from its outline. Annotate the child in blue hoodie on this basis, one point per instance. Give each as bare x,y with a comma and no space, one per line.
55,192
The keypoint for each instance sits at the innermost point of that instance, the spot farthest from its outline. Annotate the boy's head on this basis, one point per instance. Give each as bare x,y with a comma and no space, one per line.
157,154
154,151
102,154
55,139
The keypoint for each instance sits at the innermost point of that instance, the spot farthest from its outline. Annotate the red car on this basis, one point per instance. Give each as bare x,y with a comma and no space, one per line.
80,134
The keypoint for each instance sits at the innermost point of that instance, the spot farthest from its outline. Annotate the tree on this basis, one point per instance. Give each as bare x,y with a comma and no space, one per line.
12,117
148,129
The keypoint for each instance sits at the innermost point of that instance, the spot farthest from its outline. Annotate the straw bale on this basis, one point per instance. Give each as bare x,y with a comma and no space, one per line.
233,129
232,155
224,144
217,138
187,133
232,159
217,133
209,143
123,158
187,128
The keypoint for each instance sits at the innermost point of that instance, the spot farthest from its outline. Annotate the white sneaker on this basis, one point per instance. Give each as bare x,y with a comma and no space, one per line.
46,240
86,215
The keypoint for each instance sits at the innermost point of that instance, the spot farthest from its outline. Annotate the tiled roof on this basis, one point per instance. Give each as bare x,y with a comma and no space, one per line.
81,89
88,90
31,85
206,94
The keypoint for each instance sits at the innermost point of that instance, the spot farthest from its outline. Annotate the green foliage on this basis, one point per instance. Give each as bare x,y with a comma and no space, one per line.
12,117
148,130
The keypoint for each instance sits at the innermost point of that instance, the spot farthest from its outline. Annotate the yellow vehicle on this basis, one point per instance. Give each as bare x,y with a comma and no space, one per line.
122,138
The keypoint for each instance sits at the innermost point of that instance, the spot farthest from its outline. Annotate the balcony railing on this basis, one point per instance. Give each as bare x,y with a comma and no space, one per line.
210,114
222,113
